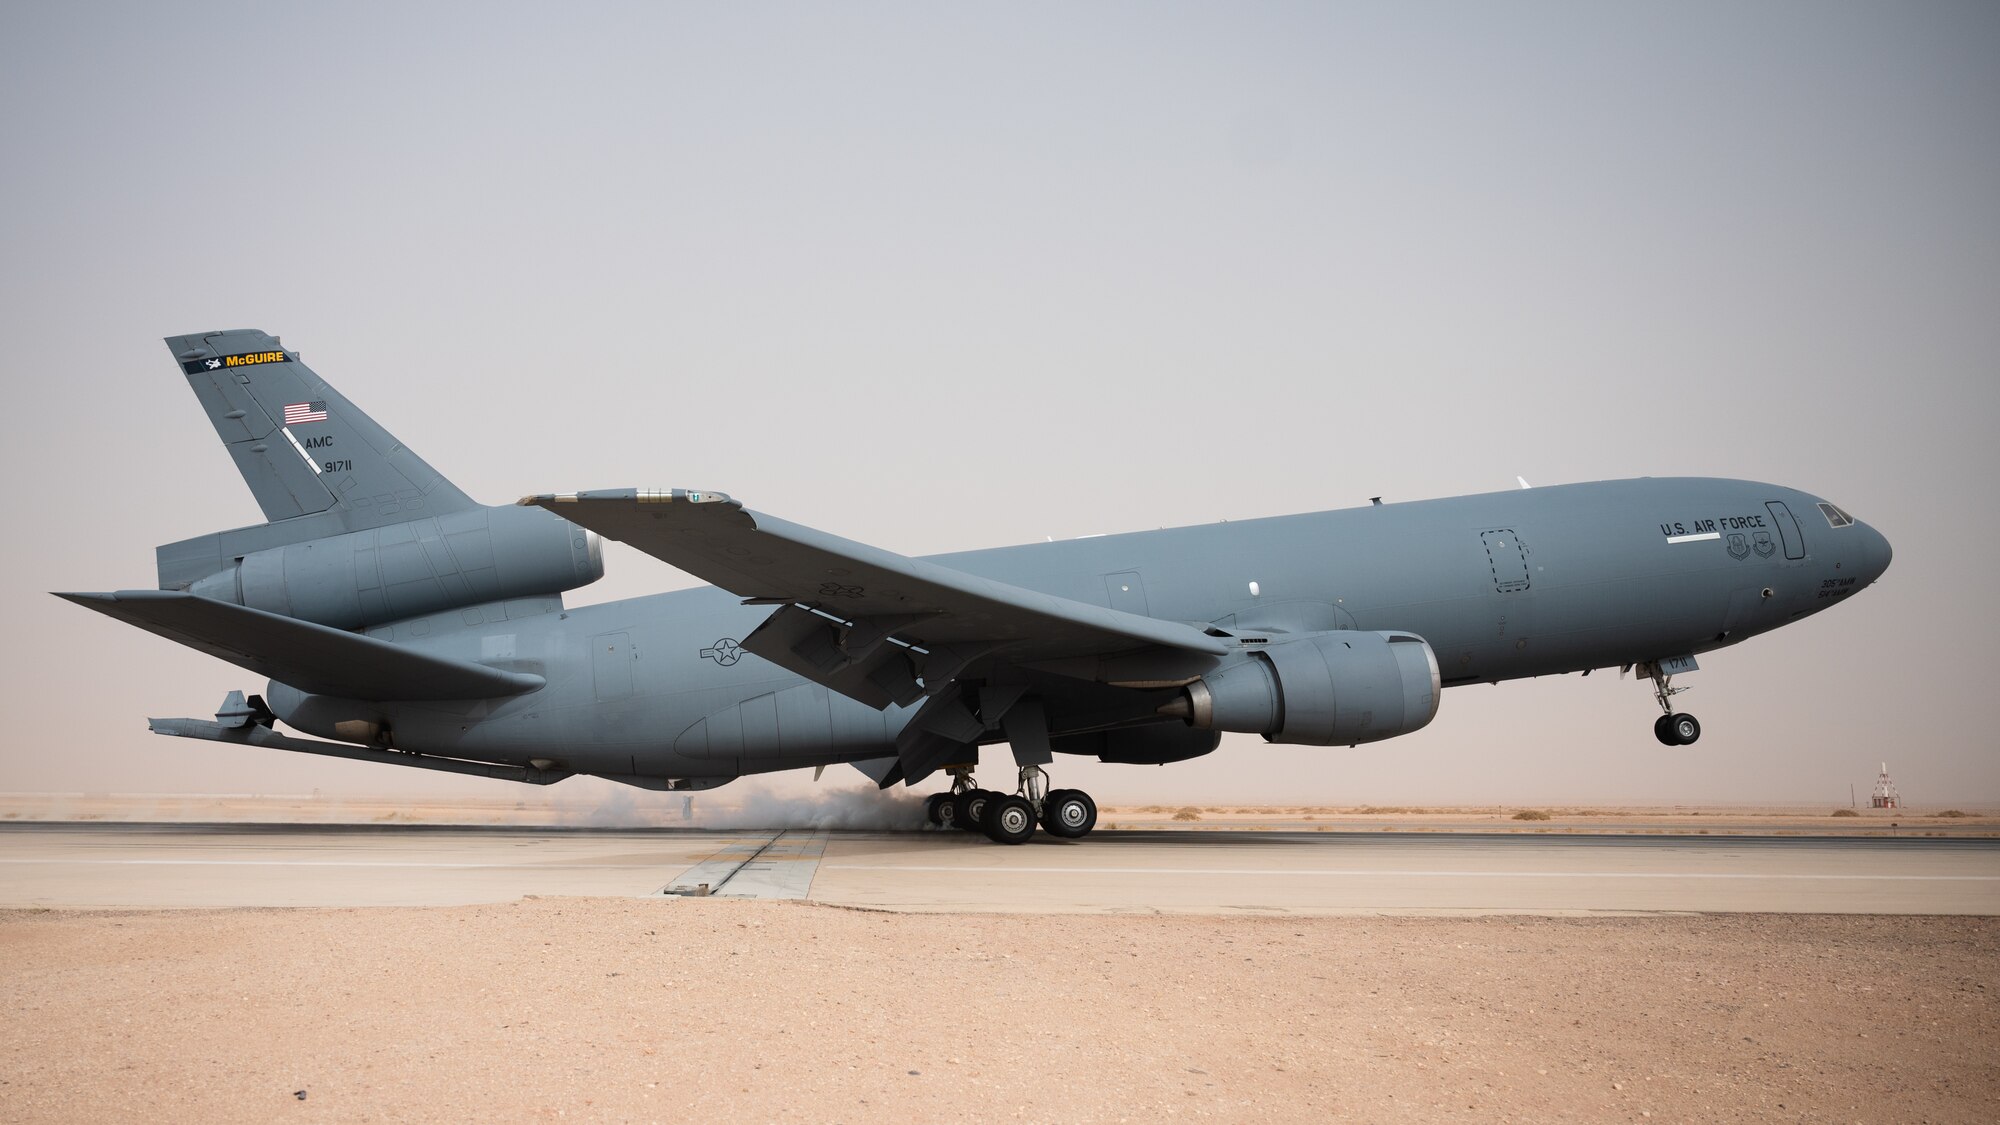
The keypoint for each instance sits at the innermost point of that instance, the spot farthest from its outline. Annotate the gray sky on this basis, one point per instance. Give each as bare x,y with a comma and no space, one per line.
947,276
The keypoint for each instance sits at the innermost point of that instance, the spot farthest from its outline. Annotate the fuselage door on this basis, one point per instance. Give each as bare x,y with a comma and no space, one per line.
1507,558
611,665
1126,592
1788,529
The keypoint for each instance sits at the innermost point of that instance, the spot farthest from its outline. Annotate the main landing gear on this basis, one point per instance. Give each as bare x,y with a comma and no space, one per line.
1671,728
1010,818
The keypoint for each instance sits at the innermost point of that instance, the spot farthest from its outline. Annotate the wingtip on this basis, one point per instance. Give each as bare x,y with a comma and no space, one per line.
113,597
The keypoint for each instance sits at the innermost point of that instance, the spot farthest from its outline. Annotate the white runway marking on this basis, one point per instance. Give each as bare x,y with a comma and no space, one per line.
1380,872
325,863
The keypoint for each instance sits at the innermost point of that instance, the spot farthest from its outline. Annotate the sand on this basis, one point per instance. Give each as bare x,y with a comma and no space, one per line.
708,1010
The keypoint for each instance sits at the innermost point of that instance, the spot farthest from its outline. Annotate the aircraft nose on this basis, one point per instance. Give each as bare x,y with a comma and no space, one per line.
1876,552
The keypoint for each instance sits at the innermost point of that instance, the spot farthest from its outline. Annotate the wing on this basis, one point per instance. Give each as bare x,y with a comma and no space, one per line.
309,657
874,625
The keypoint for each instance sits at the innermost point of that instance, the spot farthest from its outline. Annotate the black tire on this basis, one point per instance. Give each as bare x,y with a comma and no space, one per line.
934,808
1069,813
970,805
1687,729
1663,729
1049,800
1010,819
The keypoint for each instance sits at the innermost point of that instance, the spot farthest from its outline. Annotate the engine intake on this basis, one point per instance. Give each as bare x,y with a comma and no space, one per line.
1340,688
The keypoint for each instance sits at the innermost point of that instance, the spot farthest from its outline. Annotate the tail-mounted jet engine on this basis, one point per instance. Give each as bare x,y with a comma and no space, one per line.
394,572
1322,689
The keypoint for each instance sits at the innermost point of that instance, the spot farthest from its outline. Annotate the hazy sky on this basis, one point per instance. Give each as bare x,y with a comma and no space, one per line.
947,276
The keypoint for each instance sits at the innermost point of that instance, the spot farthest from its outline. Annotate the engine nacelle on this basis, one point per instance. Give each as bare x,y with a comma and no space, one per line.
1154,745
1323,689
405,570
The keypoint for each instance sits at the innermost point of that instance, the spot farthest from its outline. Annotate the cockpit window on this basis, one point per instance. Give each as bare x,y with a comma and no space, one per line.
1834,516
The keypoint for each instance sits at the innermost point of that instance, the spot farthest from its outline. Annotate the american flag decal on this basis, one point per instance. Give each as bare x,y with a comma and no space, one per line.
297,412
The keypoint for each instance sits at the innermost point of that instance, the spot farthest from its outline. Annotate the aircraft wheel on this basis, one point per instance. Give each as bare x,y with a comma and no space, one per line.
1069,813
968,807
1010,819
934,808
1686,729
1663,729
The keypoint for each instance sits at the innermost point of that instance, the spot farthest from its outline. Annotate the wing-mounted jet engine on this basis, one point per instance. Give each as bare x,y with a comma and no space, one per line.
1323,689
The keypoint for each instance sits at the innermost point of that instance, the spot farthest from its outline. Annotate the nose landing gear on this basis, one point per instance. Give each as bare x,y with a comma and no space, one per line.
1671,728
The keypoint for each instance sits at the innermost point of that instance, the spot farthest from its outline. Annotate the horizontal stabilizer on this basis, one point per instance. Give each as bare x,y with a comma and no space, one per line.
309,657
254,735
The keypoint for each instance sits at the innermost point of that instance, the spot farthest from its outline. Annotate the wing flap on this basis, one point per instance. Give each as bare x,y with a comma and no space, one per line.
312,658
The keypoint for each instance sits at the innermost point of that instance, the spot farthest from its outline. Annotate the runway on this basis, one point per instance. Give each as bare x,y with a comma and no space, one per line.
157,866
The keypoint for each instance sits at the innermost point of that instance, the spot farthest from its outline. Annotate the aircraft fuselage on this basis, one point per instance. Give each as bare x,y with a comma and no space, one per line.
1501,585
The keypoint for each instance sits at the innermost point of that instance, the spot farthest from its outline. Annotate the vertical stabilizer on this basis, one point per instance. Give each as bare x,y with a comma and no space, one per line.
302,447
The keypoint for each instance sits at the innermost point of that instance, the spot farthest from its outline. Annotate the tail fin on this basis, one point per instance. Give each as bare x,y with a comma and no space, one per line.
302,447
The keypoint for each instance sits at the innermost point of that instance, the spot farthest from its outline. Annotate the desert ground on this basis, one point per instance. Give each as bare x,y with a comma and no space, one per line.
664,1008
703,1009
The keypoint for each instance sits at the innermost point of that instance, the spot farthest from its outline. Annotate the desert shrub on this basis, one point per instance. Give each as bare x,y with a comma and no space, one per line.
1591,812
1952,814
1845,812
1531,814
1188,814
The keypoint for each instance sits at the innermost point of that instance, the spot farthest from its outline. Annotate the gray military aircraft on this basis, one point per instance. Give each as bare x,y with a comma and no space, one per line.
413,626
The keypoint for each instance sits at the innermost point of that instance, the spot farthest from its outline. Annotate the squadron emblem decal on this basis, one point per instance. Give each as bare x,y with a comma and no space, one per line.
725,652
247,359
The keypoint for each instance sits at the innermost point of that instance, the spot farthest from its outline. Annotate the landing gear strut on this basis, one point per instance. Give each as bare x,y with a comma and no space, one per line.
1671,728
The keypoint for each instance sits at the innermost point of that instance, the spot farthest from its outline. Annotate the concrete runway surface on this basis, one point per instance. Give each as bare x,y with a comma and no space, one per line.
152,866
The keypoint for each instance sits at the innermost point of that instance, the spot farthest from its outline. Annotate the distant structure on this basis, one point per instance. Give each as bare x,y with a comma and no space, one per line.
1885,795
